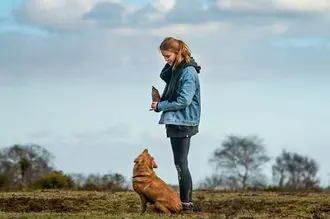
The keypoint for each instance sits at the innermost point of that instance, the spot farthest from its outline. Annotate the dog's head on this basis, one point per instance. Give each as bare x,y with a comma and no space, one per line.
145,159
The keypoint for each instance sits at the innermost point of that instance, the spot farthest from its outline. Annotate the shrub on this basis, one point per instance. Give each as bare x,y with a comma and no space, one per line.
55,180
4,182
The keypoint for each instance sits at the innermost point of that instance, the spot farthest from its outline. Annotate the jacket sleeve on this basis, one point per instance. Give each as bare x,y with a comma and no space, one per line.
186,92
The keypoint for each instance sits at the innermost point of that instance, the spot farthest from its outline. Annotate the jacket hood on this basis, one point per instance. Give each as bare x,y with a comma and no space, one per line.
195,65
166,72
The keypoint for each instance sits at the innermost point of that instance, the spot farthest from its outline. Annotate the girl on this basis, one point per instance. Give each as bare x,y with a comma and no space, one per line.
180,105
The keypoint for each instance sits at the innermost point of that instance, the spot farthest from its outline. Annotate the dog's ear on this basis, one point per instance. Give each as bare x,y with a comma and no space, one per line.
154,165
145,151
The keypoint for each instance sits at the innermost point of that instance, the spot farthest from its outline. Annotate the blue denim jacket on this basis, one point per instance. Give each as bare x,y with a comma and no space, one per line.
186,109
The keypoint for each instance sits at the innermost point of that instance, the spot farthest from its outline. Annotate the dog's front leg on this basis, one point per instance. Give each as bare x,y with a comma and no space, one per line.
143,203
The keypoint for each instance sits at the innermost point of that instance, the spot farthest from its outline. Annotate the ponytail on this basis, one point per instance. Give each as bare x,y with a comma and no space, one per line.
177,46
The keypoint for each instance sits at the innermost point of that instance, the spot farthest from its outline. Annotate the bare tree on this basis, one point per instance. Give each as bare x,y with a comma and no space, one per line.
279,170
78,178
240,160
295,171
114,181
25,164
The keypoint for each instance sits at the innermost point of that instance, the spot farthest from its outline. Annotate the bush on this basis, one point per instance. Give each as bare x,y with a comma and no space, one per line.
55,180
4,182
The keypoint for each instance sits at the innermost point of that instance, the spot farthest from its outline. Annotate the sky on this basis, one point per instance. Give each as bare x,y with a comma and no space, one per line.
76,77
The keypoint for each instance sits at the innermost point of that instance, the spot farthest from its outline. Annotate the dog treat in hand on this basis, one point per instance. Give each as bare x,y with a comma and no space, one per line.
155,94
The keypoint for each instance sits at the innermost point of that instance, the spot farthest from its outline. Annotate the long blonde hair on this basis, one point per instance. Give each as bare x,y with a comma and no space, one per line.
178,47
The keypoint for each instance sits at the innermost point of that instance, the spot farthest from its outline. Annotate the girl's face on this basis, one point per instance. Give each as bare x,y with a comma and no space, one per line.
169,57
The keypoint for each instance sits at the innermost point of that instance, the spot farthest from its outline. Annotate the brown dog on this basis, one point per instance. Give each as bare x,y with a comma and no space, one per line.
151,188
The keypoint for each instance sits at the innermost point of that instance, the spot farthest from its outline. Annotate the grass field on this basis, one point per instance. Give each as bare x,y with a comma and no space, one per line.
244,205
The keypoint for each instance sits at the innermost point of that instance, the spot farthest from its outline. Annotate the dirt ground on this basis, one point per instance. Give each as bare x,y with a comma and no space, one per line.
207,204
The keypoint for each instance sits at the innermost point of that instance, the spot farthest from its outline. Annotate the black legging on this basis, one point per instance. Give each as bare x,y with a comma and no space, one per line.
180,148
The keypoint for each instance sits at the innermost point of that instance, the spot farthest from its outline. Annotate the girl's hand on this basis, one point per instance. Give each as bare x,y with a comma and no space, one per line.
154,105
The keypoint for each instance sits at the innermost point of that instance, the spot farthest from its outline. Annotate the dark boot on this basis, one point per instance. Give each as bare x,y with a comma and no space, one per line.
187,207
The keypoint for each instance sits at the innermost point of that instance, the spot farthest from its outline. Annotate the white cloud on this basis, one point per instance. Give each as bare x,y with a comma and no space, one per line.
145,16
73,15
199,30
109,51
207,29
164,5
303,5
267,6
64,14
242,5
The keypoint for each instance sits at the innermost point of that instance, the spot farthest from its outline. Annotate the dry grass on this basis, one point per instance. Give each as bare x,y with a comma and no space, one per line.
244,205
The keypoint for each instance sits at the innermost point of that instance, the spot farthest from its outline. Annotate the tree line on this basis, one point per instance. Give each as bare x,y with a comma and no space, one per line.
240,160
25,167
238,163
